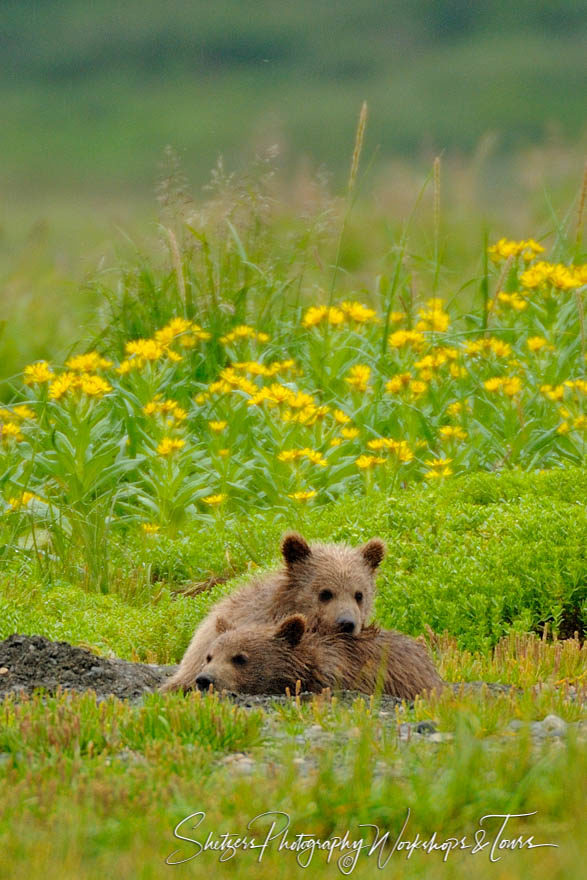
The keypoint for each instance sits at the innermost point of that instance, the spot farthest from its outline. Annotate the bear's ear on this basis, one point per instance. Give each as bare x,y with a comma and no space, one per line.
373,552
222,625
292,629
294,548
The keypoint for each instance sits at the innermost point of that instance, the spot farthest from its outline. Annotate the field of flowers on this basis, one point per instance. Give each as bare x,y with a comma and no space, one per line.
330,399
209,416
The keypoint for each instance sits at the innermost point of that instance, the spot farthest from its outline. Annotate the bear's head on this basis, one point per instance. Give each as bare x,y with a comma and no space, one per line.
257,659
333,584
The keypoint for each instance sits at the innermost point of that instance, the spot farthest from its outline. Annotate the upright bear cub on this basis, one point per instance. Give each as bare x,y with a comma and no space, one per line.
332,584
266,659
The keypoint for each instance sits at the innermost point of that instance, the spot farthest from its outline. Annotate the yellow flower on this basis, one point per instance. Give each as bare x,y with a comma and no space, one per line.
310,454
214,500
434,317
217,427
62,384
555,274
350,433
336,441
563,428
580,423
358,377
409,338
24,412
314,316
451,432
356,311
11,431
224,453
455,408
244,332
341,417
335,316
169,445
398,382
417,387
514,300
438,462
553,392
88,363
150,528
489,345
365,462
438,474
504,249
512,385
302,496
16,502
36,374
397,317
94,386
144,350
535,343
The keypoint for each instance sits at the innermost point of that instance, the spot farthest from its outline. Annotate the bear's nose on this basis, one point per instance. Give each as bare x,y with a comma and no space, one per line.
204,682
346,624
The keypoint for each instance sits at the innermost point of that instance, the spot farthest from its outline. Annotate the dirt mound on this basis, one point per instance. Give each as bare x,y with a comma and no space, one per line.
28,662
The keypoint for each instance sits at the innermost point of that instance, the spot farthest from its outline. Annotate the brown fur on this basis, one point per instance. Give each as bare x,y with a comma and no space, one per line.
347,573
266,659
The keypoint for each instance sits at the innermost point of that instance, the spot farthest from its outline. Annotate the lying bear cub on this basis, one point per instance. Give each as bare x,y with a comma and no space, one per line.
267,659
331,584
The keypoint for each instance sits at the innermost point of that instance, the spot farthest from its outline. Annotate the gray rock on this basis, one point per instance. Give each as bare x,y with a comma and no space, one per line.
554,726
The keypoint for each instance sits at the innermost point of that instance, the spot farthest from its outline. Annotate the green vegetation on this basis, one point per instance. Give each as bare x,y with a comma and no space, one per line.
481,557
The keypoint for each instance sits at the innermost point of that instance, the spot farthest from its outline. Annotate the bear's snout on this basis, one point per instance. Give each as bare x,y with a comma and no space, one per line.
346,624
203,682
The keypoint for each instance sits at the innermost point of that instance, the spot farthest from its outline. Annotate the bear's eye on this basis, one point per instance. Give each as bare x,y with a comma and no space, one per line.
239,660
358,597
325,595
209,658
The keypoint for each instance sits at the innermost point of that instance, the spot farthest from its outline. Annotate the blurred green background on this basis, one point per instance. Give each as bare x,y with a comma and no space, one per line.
92,92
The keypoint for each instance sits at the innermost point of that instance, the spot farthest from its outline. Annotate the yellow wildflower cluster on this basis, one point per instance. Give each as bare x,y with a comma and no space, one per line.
244,332
254,368
302,496
554,274
407,339
87,383
23,500
150,528
217,426
358,377
17,413
456,408
215,500
433,317
486,346
169,445
309,415
508,385
337,315
307,453
514,300
10,431
430,363
180,330
536,343
168,408
504,249
88,363
366,462
142,351
439,467
37,374
398,383
399,448
452,432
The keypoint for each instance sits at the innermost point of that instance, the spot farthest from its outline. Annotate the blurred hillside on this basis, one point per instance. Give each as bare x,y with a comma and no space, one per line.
92,92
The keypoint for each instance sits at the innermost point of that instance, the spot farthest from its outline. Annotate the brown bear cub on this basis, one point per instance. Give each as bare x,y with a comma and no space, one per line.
267,659
332,584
